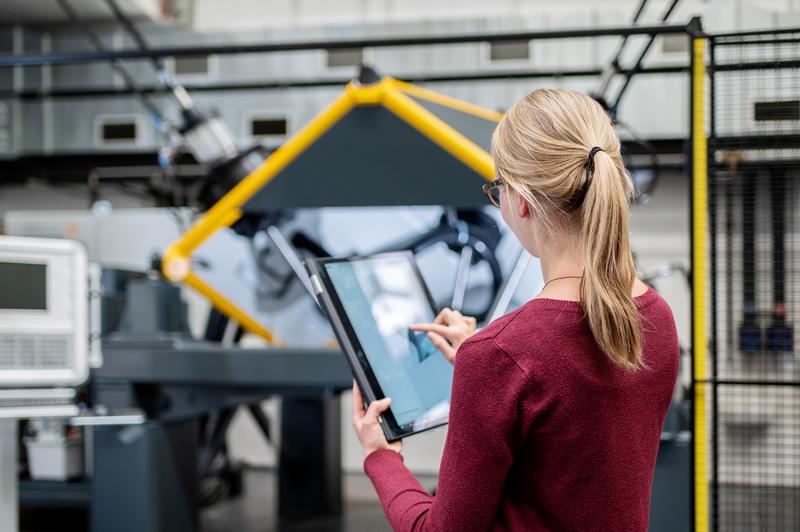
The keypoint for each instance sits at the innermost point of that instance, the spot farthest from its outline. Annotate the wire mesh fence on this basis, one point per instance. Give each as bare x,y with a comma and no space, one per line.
753,174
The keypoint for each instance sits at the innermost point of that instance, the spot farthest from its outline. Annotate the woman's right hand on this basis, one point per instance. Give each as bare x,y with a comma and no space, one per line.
448,331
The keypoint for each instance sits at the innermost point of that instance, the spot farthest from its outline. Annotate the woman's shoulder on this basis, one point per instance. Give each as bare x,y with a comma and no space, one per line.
526,320
496,327
497,340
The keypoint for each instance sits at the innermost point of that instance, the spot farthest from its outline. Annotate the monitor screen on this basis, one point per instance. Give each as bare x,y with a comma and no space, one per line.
382,296
23,286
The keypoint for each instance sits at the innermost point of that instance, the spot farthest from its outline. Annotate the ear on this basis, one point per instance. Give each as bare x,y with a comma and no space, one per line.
522,206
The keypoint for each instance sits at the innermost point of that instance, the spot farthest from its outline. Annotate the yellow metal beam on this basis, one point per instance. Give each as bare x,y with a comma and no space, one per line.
440,132
176,264
220,216
441,99
699,236
228,308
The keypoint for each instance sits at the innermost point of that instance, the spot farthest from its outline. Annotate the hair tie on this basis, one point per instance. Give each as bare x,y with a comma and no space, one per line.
590,160
577,198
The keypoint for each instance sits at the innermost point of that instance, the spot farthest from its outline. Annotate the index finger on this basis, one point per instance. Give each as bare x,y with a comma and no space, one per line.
444,330
358,401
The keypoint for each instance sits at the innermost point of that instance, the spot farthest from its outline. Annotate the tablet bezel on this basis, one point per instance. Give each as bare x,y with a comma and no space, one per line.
351,346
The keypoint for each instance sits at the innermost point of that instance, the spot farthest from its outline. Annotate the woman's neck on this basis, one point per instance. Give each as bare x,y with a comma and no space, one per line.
563,264
561,270
560,263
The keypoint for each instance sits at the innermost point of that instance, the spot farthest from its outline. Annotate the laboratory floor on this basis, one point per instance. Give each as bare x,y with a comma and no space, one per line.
256,511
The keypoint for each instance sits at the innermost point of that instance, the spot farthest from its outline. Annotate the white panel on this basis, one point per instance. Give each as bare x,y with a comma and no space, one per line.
48,346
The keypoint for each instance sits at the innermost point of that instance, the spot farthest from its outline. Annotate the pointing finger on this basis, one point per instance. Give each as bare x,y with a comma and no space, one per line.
444,330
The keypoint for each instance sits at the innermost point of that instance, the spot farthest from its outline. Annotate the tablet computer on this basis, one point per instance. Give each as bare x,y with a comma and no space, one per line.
370,302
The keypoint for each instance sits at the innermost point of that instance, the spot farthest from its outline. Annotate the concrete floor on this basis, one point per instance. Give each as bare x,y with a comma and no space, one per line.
256,511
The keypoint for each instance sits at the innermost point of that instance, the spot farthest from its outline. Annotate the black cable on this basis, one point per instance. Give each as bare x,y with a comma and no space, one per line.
652,151
133,32
116,64
750,338
778,197
178,92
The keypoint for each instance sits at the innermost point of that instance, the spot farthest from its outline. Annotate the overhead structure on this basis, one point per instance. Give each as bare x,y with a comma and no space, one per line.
380,143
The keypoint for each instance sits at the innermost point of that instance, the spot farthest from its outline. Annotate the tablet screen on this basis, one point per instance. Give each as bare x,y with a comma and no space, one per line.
382,296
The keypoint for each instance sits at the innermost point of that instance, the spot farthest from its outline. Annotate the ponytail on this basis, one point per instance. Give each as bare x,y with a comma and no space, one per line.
605,289
540,149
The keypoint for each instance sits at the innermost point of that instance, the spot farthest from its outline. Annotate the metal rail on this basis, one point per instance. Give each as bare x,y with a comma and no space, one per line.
61,58
331,82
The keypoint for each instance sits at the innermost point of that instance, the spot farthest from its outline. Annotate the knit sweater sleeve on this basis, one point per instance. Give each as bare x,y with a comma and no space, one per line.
483,432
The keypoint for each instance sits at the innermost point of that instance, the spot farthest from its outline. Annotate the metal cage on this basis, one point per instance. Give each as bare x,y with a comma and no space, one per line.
746,305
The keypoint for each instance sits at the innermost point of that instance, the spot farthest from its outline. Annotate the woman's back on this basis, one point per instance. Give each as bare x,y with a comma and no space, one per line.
546,432
590,429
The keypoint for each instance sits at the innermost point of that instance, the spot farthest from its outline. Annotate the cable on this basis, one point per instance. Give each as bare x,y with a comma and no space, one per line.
131,29
645,193
148,104
178,92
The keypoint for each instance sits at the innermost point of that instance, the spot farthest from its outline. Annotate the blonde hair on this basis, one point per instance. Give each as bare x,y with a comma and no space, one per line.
541,149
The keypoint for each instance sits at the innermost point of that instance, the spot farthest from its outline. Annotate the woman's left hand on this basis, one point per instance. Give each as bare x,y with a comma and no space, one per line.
368,429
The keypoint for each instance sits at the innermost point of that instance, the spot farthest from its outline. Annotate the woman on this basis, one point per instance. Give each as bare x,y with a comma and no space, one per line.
556,408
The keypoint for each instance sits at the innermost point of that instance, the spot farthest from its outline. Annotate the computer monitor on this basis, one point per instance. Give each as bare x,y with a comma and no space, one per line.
43,313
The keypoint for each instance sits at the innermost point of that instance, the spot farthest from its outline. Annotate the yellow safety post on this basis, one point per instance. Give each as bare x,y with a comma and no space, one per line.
699,235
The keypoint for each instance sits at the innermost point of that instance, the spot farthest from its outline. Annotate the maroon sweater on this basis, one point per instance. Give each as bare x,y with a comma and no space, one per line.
546,433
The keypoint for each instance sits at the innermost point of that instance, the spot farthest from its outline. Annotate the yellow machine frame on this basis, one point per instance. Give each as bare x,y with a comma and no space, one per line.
394,95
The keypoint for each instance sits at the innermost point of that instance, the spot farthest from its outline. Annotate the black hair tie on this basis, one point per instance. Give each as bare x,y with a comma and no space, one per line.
590,160
576,200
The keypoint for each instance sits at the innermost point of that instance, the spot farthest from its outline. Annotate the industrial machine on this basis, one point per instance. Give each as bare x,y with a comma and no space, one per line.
145,406
44,328
43,350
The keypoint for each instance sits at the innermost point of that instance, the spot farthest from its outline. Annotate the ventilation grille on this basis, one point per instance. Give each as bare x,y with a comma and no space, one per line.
192,66
33,402
509,51
117,130
267,127
345,57
35,351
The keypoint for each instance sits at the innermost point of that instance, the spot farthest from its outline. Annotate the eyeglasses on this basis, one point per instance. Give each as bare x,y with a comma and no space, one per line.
492,191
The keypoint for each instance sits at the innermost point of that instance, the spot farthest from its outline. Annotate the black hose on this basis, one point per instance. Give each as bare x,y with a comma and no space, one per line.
116,64
778,210
644,194
178,92
133,31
